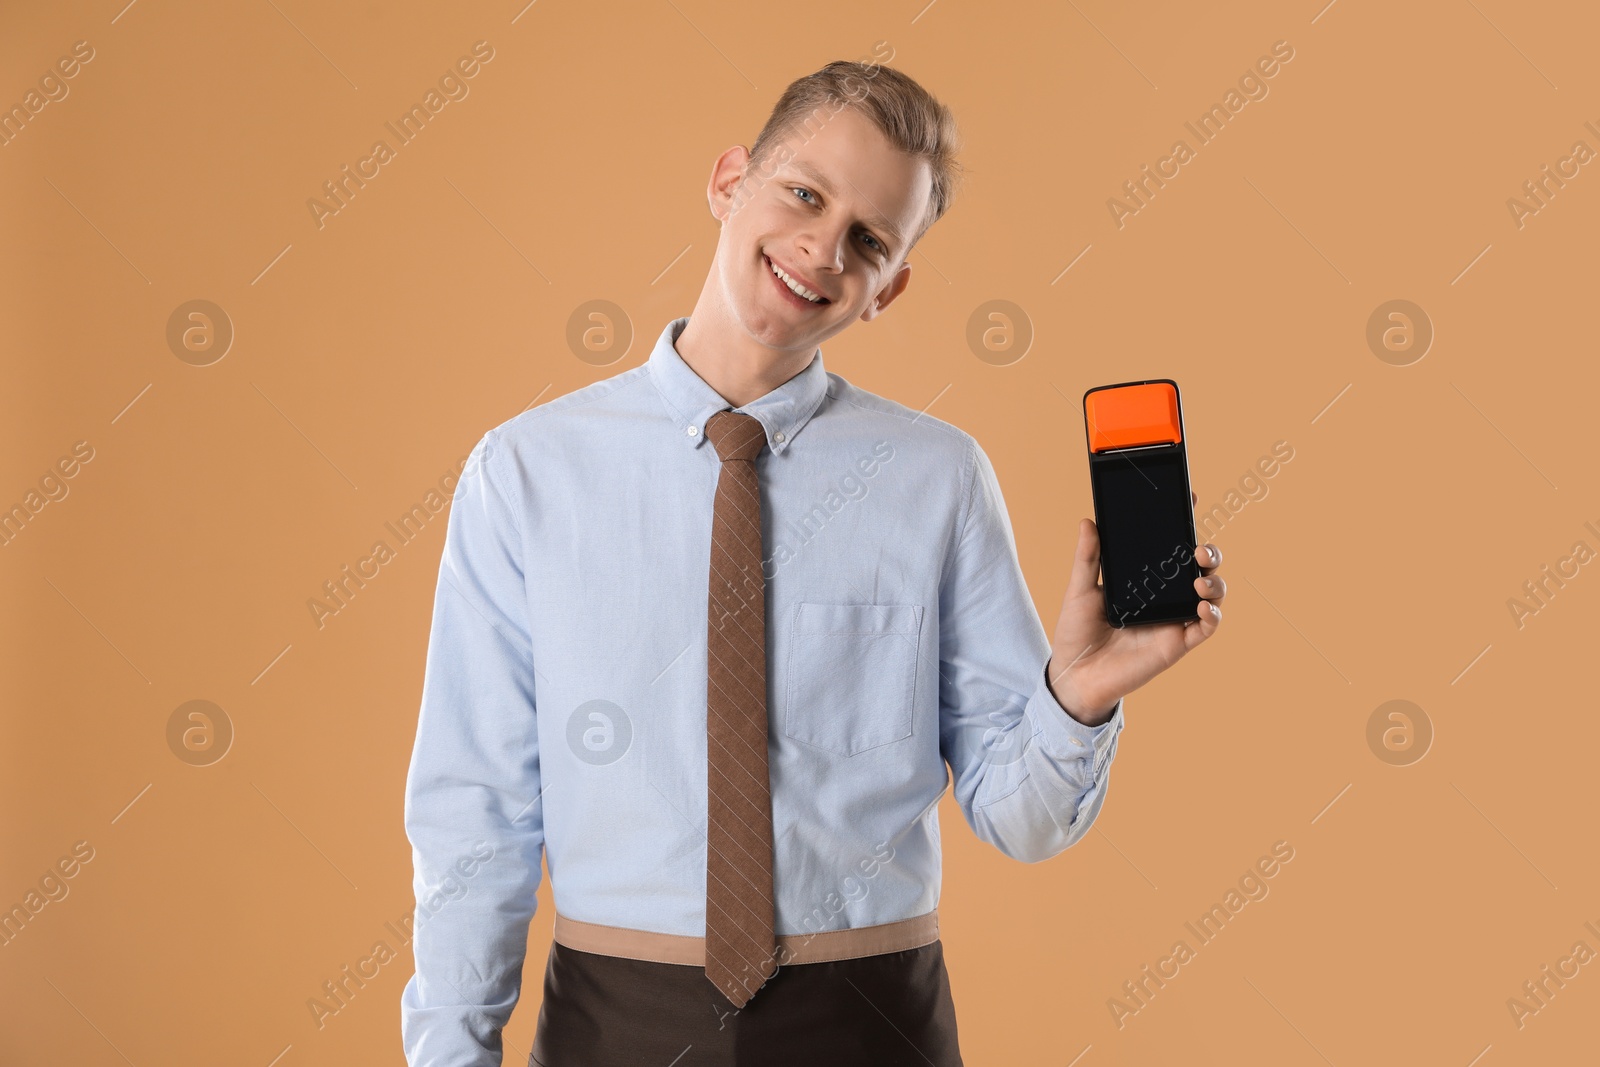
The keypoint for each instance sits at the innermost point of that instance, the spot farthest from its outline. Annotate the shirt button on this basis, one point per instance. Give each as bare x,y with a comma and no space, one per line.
778,436
692,431
1075,741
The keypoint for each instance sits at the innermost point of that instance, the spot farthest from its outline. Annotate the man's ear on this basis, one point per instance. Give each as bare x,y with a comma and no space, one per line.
726,174
888,293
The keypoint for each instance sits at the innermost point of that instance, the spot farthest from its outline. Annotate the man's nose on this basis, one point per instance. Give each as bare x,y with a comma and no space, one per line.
822,250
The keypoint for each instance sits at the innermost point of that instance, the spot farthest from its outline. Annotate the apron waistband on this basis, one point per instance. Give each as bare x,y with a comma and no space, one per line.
821,947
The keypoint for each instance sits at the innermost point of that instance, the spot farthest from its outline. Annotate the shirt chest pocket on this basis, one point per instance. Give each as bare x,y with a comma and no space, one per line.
852,675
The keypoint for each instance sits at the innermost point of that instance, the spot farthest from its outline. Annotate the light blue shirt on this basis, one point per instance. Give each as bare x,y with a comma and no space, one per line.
564,695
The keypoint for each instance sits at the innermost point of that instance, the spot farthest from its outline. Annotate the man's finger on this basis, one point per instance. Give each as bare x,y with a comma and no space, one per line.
1202,626
1086,563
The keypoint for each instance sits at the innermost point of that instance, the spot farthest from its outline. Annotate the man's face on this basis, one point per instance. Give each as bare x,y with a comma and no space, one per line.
835,207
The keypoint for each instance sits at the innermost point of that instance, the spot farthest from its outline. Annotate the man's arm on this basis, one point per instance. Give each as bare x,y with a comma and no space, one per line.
1029,777
472,806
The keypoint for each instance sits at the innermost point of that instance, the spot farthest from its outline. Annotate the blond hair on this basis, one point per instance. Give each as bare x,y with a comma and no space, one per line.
906,113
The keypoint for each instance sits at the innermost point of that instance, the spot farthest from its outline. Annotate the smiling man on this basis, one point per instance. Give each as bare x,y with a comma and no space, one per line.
721,704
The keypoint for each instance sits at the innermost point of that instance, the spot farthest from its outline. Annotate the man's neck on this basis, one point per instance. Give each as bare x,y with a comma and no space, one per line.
737,366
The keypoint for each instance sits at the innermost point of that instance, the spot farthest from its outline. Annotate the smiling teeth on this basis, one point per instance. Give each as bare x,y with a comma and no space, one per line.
793,285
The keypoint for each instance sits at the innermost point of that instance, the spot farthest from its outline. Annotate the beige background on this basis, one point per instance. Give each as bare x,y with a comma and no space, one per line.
369,354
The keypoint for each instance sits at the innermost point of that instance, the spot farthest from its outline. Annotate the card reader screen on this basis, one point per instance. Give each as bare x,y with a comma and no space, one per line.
1146,523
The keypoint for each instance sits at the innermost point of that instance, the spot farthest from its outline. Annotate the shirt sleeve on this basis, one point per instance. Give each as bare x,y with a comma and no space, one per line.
472,802
1029,778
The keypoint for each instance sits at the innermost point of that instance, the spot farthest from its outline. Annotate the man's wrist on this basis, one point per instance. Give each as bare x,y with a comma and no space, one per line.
1087,710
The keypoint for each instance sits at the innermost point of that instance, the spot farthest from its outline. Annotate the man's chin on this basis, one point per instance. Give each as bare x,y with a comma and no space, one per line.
773,328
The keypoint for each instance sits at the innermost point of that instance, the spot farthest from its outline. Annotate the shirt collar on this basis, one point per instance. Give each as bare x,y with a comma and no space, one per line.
783,412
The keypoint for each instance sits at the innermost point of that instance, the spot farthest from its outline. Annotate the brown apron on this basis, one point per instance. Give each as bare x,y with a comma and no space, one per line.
883,1010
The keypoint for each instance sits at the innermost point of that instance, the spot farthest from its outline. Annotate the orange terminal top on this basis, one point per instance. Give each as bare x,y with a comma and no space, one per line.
1132,415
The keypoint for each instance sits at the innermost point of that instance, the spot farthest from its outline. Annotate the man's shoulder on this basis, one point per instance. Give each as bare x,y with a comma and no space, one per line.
565,413
914,425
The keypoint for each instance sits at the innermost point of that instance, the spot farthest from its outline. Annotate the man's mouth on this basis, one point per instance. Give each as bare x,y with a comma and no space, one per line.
791,288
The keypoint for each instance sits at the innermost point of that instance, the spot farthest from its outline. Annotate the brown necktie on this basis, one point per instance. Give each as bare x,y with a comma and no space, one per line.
741,947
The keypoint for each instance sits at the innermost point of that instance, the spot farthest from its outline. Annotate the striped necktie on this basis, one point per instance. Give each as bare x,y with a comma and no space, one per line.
741,946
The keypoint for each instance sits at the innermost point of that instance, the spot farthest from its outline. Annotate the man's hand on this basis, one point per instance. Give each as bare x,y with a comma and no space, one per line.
1093,664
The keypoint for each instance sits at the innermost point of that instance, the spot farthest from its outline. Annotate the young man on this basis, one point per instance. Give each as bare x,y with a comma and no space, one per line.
708,632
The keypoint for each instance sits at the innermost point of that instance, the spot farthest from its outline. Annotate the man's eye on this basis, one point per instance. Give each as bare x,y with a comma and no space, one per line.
802,189
877,246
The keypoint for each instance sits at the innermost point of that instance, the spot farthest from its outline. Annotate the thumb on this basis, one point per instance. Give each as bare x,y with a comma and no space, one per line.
1086,563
